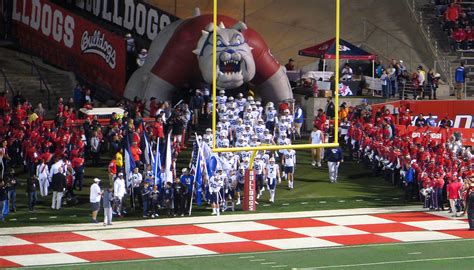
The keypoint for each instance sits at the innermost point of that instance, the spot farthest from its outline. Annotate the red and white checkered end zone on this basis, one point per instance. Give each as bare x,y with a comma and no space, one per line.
229,237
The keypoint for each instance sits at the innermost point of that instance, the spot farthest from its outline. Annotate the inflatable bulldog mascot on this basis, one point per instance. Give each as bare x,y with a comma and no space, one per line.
182,53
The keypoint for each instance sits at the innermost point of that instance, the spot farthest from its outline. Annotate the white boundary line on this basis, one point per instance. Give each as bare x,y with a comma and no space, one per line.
385,263
244,254
206,219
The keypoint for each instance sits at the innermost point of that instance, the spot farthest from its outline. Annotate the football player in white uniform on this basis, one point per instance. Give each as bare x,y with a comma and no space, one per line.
258,166
260,130
272,174
215,185
270,117
241,101
222,98
289,157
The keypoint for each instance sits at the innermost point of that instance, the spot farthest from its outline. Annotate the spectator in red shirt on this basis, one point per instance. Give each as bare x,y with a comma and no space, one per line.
459,36
451,16
320,120
453,191
112,171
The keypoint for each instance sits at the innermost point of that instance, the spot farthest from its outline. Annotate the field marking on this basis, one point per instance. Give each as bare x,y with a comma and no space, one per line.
341,201
257,260
33,218
304,202
385,263
53,217
359,200
414,253
265,263
377,199
323,202
13,219
285,204
233,254
279,266
246,257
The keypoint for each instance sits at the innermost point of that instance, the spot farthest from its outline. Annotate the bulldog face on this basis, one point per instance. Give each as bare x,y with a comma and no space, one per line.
235,63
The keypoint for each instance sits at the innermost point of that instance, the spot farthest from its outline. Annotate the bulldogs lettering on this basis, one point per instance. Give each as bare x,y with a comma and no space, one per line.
43,17
97,44
138,17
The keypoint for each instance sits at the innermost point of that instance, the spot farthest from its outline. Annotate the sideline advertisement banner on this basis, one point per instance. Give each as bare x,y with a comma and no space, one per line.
439,135
71,42
134,16
250,200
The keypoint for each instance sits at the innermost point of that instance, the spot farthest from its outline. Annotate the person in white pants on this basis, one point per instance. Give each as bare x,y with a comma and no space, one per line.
272,174
119,193
334,158
42,172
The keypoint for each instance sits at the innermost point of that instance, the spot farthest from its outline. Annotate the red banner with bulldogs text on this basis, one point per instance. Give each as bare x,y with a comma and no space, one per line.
439,135
71,42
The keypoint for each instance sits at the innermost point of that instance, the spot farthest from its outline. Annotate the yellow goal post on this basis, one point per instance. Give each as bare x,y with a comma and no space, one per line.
273,147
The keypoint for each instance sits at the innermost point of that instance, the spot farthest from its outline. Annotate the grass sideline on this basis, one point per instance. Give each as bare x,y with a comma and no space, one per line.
356,189
432,255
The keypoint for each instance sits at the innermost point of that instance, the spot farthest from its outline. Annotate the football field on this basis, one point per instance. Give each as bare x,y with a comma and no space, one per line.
368,238
433,255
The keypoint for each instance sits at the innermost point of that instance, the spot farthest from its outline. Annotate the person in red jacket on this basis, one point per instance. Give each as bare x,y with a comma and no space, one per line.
451,16
459,36
112,169
136,152
320,120
78,166
453,190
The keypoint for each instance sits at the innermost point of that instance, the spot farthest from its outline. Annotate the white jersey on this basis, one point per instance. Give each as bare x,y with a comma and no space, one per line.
223,143
136,179
284,141
245,154
271,115
260,131
221,100
258,166
247,134
239,130
216,183
316,137
283,127
290,158
241,103
255,114
272,170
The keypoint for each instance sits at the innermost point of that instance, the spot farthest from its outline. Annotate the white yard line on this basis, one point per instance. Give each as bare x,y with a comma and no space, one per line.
384,263
242,257
206,219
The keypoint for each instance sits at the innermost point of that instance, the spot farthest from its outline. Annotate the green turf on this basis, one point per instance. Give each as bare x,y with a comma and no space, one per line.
313,191
450,254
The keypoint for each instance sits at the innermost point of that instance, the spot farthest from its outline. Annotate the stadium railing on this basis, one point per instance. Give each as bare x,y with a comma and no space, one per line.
42,82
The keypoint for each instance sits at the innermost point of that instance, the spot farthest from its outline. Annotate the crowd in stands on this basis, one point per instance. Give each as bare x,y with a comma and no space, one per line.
395,77
458,22
435,172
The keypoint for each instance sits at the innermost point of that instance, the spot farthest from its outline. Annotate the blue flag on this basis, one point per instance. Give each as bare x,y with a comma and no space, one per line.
157,165
129,162
198,178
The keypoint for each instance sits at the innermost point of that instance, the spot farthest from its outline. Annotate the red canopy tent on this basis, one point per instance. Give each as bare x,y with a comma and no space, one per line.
347,51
